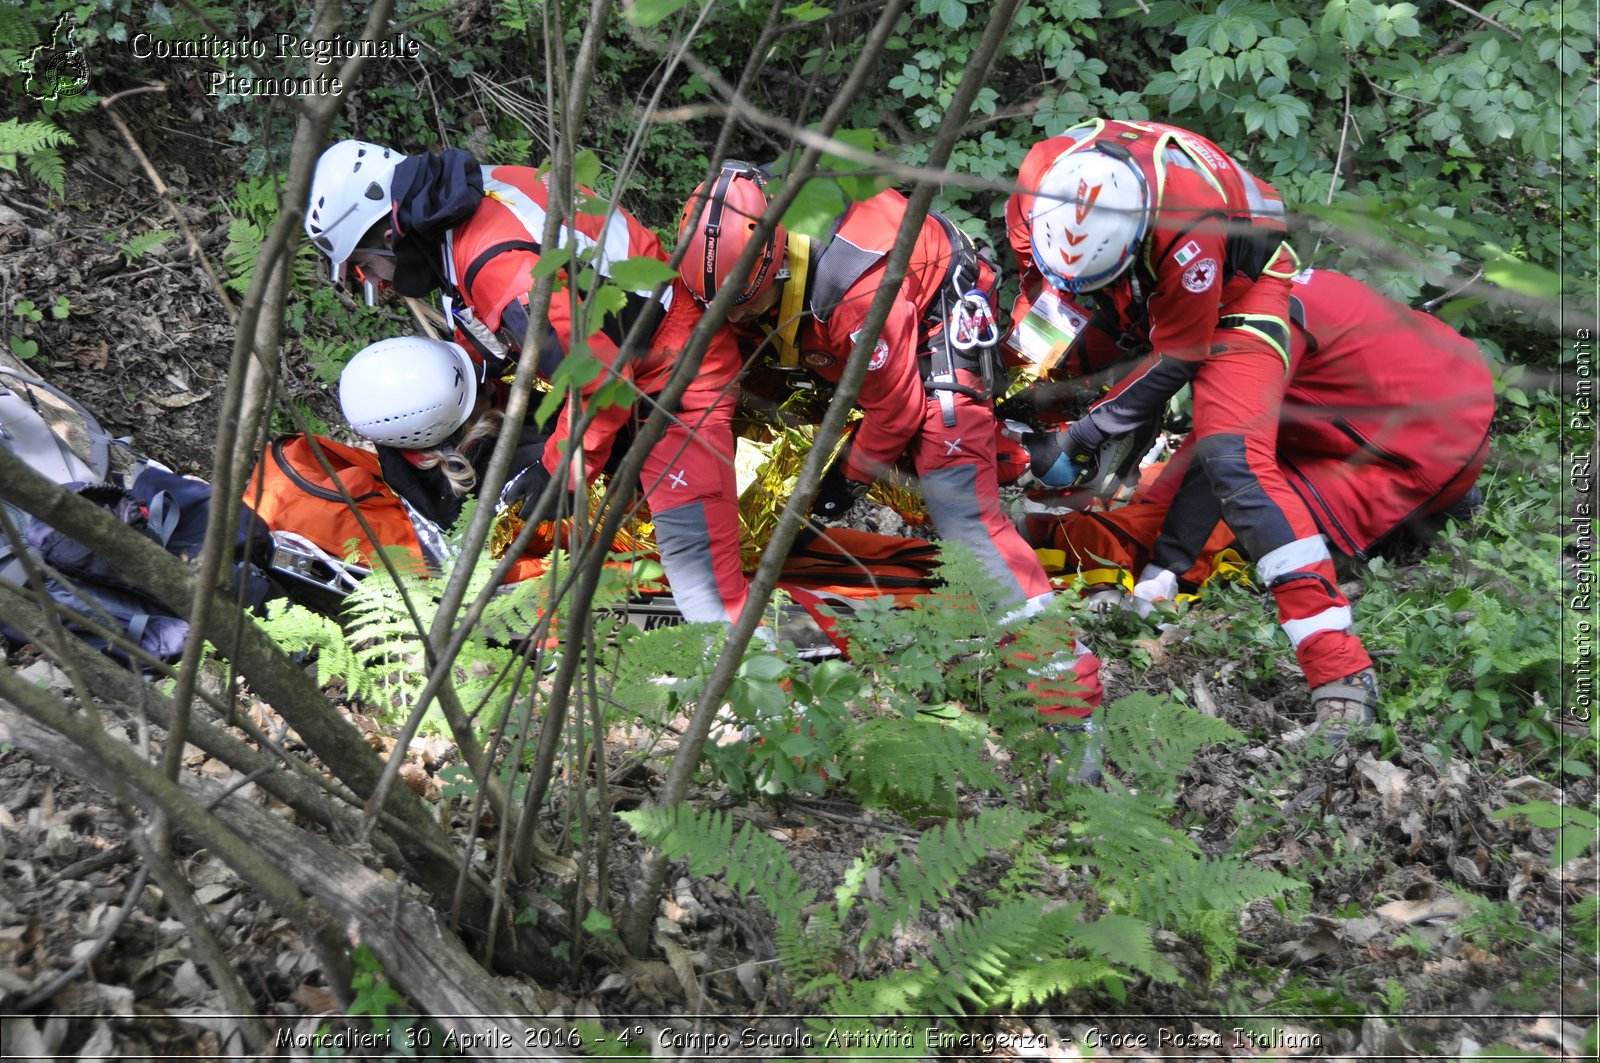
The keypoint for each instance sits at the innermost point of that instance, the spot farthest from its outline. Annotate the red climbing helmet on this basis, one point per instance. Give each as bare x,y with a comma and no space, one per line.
719,220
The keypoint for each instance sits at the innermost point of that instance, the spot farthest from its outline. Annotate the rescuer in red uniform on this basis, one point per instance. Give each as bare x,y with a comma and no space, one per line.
930,381
1183,253
1385,423
429,223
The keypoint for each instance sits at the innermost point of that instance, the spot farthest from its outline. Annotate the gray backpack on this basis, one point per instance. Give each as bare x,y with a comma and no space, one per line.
55,435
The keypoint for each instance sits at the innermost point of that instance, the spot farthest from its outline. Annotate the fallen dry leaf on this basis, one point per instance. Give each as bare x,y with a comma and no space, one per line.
179,401
1392,783
94,357
1413,913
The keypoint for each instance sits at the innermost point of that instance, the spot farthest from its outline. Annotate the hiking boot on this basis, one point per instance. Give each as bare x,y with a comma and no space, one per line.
1080,759
1345,705
1465,508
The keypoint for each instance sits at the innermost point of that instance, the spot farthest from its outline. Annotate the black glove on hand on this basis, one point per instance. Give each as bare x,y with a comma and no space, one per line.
1048,460
524,488
837,493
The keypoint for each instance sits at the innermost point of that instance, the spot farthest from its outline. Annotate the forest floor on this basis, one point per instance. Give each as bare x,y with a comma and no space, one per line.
1430,933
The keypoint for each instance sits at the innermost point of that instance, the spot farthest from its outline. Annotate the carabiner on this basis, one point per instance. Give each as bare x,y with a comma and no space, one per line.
979,328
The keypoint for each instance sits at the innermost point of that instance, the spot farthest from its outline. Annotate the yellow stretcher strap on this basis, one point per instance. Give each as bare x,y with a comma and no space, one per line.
1112,577
791,306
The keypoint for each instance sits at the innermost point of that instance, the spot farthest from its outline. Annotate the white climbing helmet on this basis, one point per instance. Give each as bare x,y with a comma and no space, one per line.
408,392
350,192
1090,214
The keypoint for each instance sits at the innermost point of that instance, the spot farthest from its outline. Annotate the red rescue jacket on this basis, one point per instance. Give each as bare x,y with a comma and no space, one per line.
892,397
492,256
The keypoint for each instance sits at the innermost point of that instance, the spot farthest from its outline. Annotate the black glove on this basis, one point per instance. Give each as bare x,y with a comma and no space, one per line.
1048,460
522,491
837,493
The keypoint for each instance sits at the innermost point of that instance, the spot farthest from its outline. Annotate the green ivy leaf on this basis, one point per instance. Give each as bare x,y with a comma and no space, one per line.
641,273
585,169
650,12
813,210
551,262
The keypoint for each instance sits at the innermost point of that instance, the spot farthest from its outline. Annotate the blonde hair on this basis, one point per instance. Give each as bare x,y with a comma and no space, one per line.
451,458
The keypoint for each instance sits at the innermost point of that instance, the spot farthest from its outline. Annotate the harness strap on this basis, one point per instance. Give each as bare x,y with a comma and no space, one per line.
1271,329
491,252
792,305
164,515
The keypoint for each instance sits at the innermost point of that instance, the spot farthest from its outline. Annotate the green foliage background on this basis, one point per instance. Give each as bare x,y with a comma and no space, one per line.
1449,140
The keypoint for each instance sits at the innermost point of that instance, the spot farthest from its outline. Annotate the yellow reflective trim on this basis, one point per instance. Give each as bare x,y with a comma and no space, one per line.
791,305
1294,262
1266,336
1199,163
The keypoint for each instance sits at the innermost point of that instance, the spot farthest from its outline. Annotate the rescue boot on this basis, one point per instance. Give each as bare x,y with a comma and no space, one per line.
1344,705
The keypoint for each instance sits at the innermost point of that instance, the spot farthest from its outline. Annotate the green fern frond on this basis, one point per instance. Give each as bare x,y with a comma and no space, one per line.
1118,939
914,764
300,630
244,247
1005,956
49,167
17,31
650,664
1037,983
894,994
144,243
748,860
1154,740
77,103
1202,899
26,138
855,879
1027,873
1148,868
944,857
973,958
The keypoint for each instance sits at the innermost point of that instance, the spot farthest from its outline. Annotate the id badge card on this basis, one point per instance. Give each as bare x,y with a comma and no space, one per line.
1045,333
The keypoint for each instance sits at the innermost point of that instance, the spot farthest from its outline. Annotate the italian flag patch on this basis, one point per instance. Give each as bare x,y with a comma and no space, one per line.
1186,252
